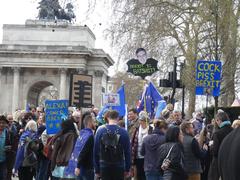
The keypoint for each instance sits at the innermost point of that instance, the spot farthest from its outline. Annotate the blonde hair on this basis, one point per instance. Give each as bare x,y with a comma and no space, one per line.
31,125
236,123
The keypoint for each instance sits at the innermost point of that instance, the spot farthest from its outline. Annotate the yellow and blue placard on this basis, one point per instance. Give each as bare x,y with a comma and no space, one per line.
208,77
56,112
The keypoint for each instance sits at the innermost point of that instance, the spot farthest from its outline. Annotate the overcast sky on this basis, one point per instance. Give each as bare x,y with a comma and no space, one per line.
17,11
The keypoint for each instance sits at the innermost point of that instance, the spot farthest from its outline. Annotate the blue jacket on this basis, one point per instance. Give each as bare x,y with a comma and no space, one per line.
150,146
22,142
125,143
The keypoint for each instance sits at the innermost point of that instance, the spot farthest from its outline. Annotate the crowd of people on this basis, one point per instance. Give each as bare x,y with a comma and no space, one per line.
167,148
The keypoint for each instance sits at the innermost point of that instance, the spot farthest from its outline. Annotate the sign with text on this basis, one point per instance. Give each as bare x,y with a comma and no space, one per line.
80,91
143,70
111,99
56,112
208,77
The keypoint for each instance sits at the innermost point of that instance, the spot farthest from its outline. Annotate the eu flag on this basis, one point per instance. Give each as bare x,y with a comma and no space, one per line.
152,96
121,108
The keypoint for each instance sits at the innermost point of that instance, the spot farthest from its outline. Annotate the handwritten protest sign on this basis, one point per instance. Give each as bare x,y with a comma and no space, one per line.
56,112
208,77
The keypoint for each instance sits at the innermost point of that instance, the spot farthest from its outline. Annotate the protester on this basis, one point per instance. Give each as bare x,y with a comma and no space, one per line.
149,150
41,125
112,150
192,152
26,171
204,139
224,124
33,112
62,149
167,111
13,128
76,117
81,162
170,155
198,123
136,143
133,122
6,141
44,165
177,119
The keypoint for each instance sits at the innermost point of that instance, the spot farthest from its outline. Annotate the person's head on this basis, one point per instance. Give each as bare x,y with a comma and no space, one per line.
33,110
174,134
187,128
236,124
39,110
141,55
83,116
143,119
113,116
67,126
170,107
132,114
88,122
10,119
41,120
221,117
3,122
177,117
31,126
161,124
76,116
95,111
26,117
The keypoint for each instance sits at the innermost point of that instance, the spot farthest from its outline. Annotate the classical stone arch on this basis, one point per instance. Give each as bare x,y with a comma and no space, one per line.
35,91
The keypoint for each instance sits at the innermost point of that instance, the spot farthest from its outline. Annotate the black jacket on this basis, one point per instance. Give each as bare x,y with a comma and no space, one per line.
228,159
218,137
176,158
85,158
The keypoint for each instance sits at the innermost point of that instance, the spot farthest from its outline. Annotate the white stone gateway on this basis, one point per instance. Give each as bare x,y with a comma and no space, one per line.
44,53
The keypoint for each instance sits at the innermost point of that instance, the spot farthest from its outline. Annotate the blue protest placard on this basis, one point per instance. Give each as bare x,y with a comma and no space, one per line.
208,77
56,112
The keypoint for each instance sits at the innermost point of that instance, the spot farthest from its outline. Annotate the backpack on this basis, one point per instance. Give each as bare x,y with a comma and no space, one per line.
111,151
30,155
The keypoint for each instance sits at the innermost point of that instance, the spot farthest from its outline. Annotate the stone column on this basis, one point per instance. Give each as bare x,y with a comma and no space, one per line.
63,83
97,93
16,80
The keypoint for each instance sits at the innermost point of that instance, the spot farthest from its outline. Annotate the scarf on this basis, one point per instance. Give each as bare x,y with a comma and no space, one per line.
79,145
225,123
142,133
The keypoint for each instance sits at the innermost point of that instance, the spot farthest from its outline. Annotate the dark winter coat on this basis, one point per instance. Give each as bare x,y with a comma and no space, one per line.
176,169
229,156
218,137
150,146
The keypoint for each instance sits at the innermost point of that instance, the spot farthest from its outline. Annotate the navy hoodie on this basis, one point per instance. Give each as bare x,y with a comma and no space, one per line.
150,146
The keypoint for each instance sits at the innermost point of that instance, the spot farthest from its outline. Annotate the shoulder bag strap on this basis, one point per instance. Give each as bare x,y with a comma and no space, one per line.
169,152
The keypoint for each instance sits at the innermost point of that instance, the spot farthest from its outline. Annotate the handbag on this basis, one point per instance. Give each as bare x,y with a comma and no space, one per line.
166,162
